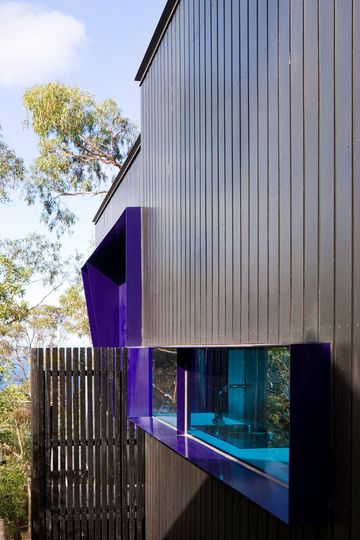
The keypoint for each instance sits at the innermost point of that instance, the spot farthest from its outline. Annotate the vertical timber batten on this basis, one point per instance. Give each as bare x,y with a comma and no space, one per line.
87,476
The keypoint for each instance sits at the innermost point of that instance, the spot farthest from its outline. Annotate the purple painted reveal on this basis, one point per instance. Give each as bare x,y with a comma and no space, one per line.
264,491
112,283
122,315
139,383
105,304
89,303
133,276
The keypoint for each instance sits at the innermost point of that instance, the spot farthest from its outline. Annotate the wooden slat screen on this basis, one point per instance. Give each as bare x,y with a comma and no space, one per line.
82,483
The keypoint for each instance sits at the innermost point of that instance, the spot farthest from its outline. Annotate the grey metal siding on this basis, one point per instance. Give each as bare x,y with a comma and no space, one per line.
251,194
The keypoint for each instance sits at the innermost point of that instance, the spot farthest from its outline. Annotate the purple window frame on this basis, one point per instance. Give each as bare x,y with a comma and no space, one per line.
306,498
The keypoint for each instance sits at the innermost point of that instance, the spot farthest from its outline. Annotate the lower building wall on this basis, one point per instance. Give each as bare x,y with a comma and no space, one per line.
183,502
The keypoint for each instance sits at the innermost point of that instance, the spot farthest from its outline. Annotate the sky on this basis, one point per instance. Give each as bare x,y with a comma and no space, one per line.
95,45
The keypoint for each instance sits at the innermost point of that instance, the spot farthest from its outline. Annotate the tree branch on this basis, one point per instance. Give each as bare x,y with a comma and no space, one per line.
105,159
19,441
165,394
44,297
97,152
92,193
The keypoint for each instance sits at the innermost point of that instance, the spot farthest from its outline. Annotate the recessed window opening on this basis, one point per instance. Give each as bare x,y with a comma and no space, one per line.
239,402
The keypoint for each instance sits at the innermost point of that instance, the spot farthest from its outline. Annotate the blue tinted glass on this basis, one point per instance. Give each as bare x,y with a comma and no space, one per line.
239,403
164,362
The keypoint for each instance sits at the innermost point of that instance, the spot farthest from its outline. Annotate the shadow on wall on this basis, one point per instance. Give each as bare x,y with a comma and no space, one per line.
184,502
219,513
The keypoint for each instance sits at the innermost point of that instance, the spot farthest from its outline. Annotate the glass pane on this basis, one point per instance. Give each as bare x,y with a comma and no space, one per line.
239,403
164,362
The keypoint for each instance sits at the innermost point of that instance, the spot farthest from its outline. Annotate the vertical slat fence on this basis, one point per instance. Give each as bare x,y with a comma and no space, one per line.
83,485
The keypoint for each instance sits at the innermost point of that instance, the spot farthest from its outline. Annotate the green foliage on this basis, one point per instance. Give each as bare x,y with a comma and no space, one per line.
12,171
81,141
15,422
15,447
35,255
23,262
12,282
74,309
13,495
278,398
44,326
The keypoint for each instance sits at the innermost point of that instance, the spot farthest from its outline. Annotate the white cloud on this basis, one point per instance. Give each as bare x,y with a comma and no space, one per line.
36,44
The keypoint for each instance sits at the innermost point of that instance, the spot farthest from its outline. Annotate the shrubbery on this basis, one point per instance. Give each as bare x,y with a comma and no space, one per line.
13,495
14,456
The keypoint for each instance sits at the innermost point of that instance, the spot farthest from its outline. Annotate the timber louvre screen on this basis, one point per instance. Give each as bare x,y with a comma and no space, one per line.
87,467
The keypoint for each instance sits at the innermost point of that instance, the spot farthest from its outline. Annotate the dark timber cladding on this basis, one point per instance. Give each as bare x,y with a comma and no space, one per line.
183,502
135,149
250,188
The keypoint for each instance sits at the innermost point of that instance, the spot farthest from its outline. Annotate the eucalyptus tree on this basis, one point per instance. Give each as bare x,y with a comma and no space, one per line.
12,170
82,145
23,263
73,308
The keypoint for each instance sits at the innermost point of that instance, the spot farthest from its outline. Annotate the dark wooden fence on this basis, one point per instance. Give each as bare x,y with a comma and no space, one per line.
87,466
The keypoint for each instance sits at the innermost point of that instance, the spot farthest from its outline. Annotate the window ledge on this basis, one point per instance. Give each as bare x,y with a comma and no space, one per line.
262,490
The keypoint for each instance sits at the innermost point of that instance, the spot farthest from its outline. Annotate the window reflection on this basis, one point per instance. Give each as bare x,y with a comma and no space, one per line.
239,403
164,382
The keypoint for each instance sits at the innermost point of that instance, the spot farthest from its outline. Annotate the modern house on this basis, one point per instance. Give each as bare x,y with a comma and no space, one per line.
227,263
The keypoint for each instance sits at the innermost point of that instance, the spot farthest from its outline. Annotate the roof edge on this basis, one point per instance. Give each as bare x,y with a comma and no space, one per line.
156,39
134,150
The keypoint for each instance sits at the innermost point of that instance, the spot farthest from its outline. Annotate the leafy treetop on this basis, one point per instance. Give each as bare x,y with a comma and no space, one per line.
82,143
12,170
43,326
24,262
73,307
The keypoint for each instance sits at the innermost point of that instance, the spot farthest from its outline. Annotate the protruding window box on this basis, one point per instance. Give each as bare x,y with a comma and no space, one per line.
258,419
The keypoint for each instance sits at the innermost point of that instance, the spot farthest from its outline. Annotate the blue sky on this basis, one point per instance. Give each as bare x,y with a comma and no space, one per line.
95,45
